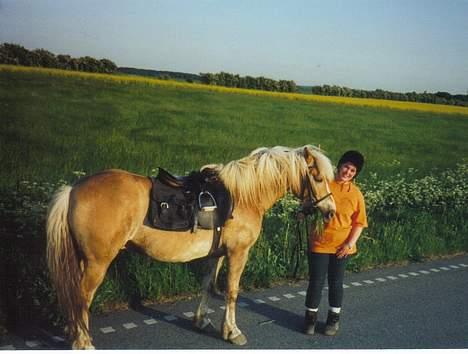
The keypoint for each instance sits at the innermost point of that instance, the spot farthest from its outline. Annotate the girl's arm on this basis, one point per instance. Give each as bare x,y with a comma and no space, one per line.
348,245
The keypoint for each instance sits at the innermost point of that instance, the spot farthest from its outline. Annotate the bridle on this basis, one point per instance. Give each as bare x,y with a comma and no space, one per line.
306,185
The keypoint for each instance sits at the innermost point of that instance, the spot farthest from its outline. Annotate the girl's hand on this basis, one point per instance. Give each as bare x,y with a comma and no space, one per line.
344,250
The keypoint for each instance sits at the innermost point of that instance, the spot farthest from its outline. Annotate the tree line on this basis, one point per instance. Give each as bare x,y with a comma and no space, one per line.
159,74
425,97
248,82
15,54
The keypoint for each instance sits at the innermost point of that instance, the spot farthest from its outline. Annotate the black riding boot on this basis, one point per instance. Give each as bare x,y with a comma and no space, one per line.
333,323
309,322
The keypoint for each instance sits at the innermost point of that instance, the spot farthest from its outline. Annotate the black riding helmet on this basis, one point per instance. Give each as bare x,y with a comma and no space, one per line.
355,157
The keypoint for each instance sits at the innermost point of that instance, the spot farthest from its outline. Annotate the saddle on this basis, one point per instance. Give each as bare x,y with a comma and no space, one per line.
186,203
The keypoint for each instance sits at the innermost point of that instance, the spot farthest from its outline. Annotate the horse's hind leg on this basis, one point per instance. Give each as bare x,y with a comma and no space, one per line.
200,320
93,276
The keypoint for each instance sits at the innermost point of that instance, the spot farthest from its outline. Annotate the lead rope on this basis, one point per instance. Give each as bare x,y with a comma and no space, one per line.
302,227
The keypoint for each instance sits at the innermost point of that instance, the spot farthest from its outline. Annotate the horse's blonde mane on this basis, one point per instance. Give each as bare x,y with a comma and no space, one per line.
266,174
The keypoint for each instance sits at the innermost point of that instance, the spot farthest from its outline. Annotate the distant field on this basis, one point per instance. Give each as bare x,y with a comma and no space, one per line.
367,102
55,122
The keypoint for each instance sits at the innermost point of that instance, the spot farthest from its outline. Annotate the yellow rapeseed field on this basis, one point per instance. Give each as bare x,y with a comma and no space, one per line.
128,79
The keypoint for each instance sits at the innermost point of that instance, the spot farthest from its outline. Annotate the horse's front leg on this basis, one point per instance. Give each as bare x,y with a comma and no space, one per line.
214,288
200,320
236,264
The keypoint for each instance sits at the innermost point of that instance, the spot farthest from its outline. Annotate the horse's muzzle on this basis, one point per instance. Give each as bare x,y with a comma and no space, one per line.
308,208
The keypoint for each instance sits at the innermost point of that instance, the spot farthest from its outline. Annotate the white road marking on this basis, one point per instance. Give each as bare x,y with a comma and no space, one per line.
7,347
129,325
262,323
107,330
31,343
151,321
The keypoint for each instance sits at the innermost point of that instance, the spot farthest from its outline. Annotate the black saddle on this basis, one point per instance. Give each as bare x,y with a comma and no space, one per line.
183,203
170,180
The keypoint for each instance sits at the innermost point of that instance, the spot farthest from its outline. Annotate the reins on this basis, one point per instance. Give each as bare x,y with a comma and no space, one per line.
298,249
302,225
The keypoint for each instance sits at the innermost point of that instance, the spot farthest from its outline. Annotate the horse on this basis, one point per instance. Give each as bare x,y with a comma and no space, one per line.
89,222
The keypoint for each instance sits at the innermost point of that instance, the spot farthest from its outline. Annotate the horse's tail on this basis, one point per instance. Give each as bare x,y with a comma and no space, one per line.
64,262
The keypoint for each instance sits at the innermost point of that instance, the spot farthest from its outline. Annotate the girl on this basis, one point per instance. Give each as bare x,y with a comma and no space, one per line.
328,253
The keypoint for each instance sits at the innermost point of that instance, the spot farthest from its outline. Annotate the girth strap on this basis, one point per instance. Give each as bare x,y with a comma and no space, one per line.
215,250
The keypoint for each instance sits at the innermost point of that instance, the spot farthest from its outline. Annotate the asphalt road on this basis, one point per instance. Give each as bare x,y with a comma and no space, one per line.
419,306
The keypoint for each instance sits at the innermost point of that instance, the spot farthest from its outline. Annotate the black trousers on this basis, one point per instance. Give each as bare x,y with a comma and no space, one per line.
322,265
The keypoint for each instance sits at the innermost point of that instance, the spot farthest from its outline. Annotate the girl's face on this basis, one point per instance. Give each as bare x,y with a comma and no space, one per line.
346,172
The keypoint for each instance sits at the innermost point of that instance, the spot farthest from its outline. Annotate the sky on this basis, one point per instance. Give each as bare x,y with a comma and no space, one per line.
395,45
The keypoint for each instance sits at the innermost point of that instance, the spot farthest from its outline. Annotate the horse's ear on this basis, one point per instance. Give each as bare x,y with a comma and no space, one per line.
308,156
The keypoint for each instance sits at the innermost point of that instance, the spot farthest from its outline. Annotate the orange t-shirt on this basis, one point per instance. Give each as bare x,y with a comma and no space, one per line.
350,211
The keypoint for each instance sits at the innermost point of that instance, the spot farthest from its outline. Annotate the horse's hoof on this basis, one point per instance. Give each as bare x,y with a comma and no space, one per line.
83,346
205,325
239,340
215,291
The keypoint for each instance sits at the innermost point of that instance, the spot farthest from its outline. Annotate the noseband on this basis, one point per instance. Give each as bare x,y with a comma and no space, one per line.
306,185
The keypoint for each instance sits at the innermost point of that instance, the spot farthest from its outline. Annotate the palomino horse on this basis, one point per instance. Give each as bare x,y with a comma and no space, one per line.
89,222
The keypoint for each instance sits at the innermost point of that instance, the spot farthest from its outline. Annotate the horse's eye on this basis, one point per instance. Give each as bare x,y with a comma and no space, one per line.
316,174
318,178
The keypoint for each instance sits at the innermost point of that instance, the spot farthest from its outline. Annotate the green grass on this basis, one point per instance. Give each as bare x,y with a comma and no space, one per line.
52,126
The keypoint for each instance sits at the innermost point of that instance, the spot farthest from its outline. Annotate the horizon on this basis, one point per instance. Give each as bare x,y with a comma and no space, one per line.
402,46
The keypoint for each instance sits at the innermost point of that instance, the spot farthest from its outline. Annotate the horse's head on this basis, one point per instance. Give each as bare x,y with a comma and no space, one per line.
315,192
